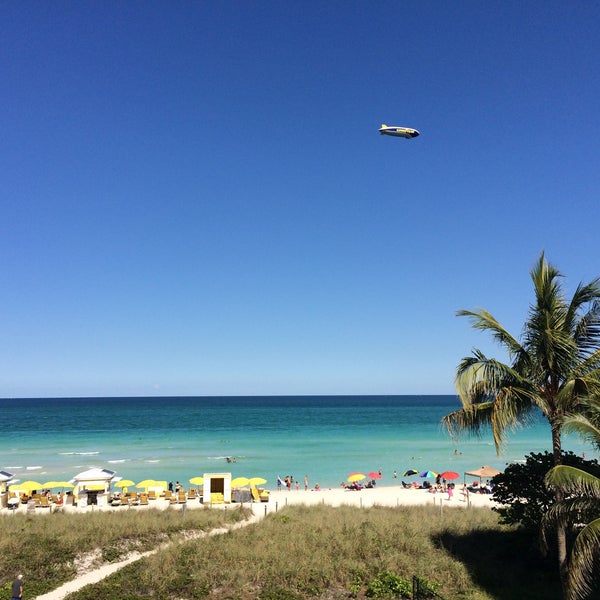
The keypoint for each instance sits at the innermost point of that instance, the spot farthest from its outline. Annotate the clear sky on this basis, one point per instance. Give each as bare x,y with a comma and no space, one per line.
195,199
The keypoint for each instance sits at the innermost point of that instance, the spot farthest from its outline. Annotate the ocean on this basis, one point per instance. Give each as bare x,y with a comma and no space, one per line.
175,439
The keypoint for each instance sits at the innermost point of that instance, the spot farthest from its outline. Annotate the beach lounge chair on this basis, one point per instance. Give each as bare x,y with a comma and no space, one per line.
181,497
152,495
168,495
192,494
259,495
144,499
217,498
44,502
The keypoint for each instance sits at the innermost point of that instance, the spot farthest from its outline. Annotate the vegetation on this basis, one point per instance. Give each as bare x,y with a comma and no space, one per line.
553,369
47,548
580,510
521,490
329,553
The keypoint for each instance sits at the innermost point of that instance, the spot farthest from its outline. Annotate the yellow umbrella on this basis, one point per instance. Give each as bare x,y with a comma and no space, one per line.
197,480
240,482
28,486
57,484
257,481
50,484
146,483
124,483
356,477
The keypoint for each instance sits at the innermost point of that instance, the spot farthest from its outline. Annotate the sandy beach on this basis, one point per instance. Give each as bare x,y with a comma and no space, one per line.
377,496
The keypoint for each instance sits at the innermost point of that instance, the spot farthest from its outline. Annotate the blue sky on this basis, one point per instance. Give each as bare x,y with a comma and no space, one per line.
196,199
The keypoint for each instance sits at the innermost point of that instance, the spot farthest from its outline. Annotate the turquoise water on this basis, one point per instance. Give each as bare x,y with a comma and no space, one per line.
325,437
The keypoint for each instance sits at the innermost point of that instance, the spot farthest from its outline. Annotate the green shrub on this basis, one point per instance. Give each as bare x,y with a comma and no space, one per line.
389,585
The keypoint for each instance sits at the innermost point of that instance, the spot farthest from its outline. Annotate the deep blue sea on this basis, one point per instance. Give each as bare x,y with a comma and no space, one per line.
324,437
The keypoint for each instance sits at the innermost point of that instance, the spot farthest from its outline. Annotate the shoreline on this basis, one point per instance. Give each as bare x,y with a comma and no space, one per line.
383,495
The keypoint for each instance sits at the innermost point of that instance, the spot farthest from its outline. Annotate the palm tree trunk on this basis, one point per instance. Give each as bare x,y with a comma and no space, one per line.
561,533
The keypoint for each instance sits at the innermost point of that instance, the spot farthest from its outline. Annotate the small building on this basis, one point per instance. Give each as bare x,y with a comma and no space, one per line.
217,488
92,487
5,478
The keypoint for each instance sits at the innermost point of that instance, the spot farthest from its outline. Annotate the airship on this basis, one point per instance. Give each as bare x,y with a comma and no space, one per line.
405,132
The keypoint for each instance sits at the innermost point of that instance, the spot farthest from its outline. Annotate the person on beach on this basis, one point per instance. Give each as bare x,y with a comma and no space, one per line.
279,483
306,483
450,491
17,588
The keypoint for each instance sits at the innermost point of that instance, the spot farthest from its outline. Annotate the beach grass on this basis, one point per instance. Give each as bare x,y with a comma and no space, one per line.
47,549
323,552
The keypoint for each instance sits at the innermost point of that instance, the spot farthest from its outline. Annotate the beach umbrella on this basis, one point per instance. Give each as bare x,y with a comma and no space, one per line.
57,484
28,486
410,472
354,477
373,475
197,480
257,481
239,482
49,484
428,474
449,475
124,483
146,483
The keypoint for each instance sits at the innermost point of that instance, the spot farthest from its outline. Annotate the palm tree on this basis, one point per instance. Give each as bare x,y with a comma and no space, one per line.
580,504
555,365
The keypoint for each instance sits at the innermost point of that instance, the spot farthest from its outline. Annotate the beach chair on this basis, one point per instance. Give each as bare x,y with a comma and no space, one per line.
259,495
152,495
144,499
181,497
217,498
192,494
168,495
44,502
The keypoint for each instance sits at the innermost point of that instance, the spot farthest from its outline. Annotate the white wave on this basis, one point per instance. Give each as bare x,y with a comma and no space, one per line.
116,461
154,460
78,453
36,468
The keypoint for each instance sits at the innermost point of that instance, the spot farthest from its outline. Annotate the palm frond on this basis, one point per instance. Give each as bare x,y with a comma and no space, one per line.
585,558
573,481
483,320
472,419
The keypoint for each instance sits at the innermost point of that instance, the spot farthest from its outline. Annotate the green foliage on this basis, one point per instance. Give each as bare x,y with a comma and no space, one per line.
389,585
522,492
112,553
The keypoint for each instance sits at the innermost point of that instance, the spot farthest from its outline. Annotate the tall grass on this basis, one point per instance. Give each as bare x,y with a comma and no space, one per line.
323,552
45,547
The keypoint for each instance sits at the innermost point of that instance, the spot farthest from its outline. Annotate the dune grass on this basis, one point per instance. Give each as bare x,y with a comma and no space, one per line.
46,548
330,553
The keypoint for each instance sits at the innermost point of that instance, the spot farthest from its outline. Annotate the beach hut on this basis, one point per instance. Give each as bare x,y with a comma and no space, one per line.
217,488
5,477
92,486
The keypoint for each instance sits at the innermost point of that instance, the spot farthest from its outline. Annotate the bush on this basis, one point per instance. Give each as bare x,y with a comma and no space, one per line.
521,490
389,585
